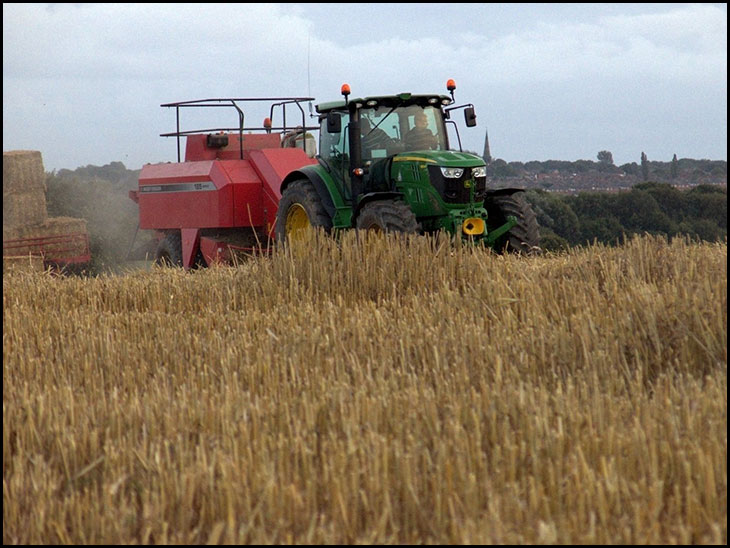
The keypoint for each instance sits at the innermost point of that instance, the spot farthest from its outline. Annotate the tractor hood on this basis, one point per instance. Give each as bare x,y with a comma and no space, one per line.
443,158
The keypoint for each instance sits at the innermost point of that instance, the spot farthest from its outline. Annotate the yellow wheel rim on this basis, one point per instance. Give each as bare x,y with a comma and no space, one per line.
297,221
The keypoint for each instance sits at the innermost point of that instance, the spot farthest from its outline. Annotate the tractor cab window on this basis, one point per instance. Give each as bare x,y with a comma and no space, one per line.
380,133
423,128
333,146
334,151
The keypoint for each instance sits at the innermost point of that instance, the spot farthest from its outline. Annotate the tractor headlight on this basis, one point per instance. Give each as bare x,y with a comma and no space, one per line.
452,172
479,171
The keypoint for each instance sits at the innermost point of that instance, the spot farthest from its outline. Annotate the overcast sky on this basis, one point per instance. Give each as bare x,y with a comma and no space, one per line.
83,83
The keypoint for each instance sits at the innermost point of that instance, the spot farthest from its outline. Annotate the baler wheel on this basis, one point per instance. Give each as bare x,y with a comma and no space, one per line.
524,237
169,250
300,208
387,216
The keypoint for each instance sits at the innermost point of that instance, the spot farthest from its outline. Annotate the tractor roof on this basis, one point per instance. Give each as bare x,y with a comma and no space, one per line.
402,99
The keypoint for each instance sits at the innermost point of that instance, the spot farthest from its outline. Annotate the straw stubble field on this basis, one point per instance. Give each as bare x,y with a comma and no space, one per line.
415,392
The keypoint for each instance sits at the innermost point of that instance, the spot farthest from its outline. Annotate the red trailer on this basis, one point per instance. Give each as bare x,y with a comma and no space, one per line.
60,250
224,195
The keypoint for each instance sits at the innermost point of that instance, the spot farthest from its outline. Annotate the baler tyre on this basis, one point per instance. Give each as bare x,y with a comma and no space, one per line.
169,250
388,216
300,208
524,237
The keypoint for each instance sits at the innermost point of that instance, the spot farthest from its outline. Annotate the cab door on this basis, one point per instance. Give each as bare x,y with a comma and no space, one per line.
334,153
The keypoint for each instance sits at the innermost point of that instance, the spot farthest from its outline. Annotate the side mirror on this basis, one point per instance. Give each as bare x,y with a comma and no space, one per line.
334,122
470,117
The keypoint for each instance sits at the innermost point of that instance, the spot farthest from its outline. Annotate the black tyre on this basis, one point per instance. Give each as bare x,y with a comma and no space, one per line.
387,216
300,208
524,237
169,250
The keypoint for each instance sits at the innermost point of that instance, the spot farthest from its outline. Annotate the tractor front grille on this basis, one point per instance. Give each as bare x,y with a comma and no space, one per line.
457,190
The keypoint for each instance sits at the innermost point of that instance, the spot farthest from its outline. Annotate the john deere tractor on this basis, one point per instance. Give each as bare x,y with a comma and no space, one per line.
385,163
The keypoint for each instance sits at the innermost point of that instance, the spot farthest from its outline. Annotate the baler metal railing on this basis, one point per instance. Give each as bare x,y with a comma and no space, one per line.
69,248
281,102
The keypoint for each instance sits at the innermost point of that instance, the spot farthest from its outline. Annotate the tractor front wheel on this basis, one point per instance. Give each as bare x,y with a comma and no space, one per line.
300,208
387,216
522,238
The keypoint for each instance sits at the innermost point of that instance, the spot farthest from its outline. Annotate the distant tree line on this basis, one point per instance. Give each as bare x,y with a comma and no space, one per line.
655,208
649,170
114,172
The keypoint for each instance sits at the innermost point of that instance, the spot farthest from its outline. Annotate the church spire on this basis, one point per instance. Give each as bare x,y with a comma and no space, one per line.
487,154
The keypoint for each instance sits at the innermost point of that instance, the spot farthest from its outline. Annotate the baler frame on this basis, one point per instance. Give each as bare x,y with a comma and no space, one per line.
232,102
225,184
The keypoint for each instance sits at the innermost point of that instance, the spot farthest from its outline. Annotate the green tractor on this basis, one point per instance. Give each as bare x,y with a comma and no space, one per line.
385,164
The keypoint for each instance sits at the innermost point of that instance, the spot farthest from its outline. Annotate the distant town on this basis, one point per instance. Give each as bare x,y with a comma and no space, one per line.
603,176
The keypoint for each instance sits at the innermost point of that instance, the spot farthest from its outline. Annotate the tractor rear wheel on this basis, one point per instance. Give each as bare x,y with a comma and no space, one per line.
387,216
169,250
300,208
522,238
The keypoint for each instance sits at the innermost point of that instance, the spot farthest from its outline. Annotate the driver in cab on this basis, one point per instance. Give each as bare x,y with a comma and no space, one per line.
420,137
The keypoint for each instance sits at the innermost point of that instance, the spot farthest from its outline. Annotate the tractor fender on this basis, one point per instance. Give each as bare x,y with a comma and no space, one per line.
373,197
502,191
317,182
